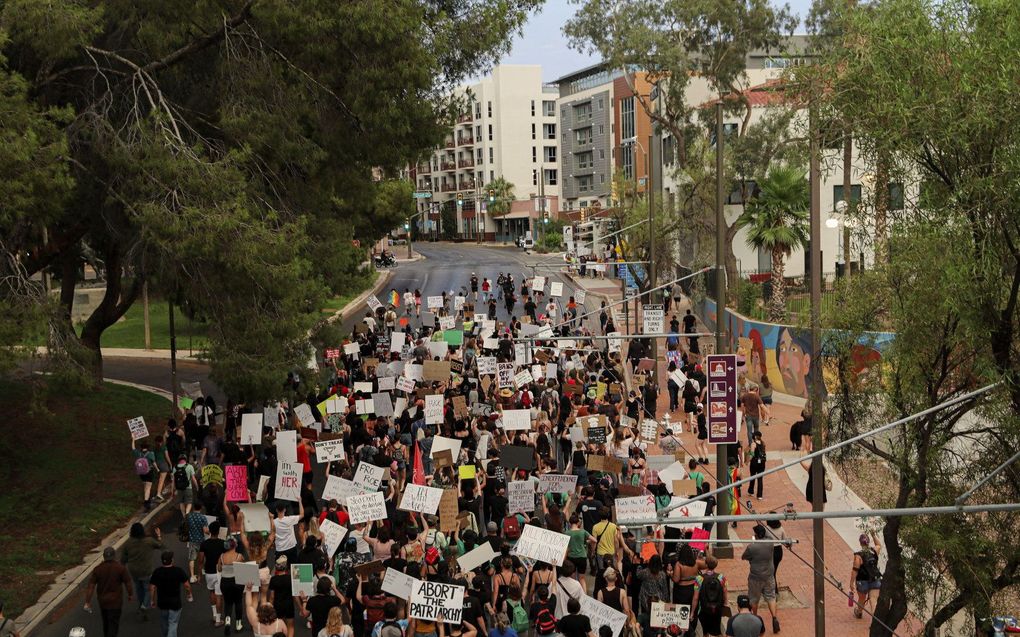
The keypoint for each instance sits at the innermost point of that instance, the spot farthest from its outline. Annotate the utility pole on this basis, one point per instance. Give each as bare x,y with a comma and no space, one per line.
722,470
847,198
145,315
652,279
817,398
173,360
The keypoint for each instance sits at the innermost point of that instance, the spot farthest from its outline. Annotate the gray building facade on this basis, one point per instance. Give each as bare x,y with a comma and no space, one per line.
586,140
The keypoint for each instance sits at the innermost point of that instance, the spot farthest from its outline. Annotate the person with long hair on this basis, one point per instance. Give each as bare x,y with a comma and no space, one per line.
338,623
229,589
502,627
257,548
262,616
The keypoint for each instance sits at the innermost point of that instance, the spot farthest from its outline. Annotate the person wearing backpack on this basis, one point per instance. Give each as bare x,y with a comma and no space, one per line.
710,597
866,576
390,626
757,452
145,469
543,612
185,484
515,610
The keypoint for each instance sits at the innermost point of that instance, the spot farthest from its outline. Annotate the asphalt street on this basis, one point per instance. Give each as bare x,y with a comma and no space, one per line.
446,267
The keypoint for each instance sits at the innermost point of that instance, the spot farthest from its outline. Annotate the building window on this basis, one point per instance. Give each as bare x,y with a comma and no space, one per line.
585,183
563,111
534,155
490,132
737,196
602,129
729,130
668,151
492,175
602,153
627,160
479,157
584,160
478,133
550,177
534,176
602,178
532,108
582,112
627,118
491,160
548,131
896,196
489,108
855,193
478,110
601,104
481,177
583,136
532,131
550,154
548,108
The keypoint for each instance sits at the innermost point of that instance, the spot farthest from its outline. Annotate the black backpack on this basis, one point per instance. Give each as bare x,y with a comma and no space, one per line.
869,566
181,481
759,453
711,592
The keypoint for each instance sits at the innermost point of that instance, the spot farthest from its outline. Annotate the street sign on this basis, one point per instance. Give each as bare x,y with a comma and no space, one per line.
422,195
653,318
642,181
722,399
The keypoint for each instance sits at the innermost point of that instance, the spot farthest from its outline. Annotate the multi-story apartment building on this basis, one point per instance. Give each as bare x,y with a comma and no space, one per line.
508,131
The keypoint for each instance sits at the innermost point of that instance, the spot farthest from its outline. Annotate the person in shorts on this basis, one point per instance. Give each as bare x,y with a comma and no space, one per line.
866,576
761,582
209,552
197,527
745,623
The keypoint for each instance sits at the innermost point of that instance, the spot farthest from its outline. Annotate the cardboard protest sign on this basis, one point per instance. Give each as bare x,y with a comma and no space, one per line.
386,384
517,457
635,508
286,446
366,569
288,481
256,517
600,614
516,419
605,464
673,472
369,476
333,535
665,615
556,483
251,429
352,349
302,579
237,482
436,602
405,384
447,322
460,408
505,375
441,442
434,409
414,371
481,554
437,371
542,545
137,428
420,498
448,510
538,283
398,584
367,507
521,494
443,458
522,378
435,302
630,490
685,488
486,365
340,489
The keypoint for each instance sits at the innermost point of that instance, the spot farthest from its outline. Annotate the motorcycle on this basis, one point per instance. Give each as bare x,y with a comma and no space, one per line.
385,260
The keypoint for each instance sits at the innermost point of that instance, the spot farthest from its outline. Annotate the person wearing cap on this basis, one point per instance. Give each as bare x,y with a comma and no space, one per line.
745,623
107,580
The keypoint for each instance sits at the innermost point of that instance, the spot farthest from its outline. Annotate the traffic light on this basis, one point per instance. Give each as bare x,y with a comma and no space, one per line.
545,217
460,199
492,195
584,214
407,225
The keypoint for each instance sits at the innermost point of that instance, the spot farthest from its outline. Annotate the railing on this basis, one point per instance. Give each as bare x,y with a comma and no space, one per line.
450,143
466,163
447,165
466,186
465,141
448,187
424,170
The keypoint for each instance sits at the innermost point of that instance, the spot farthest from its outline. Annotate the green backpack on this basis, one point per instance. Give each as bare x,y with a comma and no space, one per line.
518,617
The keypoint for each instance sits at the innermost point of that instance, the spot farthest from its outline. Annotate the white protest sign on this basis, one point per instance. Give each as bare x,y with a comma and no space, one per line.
400,406
516,419
505,375
579,296
332,536
439,443
665,615
246,573
542,545
522,378
286,446
421,499
538,283
352,349
521,495
414,371
386,383
397,340
340,489
251,429
447,322
486,365
615,343
435,302
673,472
477,556
137,428
329,450
334,405
363,387
649,430
383,404
405,384
398,584
369,476
367,507
551,369
373,302
364,406
288,481
458,302
434,409
600,614
438,349
556,483
639,507
256,517
555,288
304,414
433,601
693,509
520,354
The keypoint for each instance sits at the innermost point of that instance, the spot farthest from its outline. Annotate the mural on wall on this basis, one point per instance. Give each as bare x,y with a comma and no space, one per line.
782,353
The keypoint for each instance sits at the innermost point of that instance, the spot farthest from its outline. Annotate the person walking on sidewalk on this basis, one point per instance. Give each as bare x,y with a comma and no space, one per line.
750,403
165,590
745,623
710,597
107,580
757,453
761,581
137,556
867,578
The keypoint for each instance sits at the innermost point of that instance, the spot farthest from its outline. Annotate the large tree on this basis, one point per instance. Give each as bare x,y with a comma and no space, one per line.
223,150
936,103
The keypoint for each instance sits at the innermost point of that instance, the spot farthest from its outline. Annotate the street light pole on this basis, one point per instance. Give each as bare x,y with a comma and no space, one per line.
722,470
173,360
652,279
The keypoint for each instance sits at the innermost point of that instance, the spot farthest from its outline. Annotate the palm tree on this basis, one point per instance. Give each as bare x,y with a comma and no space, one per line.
777,221
502,196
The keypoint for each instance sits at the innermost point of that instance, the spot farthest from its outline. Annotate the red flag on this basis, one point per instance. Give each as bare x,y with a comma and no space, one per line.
418,476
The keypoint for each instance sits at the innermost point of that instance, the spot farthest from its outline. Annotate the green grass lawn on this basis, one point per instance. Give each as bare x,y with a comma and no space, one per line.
129,332
67,478
337,303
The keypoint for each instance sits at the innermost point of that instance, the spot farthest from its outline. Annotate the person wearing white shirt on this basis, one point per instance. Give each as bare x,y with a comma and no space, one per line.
285,531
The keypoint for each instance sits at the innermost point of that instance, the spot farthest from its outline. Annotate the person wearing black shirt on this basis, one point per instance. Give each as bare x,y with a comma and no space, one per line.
319,605
690,321
589,509
165,591
209,553
281,595
574,624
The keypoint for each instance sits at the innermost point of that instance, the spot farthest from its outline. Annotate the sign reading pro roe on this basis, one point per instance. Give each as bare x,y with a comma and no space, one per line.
437,602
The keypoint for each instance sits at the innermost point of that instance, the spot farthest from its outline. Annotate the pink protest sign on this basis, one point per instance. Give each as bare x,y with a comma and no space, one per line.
237,483
699,534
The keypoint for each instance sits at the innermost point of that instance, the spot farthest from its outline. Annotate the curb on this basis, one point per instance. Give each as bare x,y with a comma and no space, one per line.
359,300
70,581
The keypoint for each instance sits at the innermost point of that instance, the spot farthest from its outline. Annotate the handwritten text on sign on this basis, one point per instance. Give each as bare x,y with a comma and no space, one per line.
521,495
421,499
542,545
288,481
368,507
665,615
137,428
237,482
556,483
434,601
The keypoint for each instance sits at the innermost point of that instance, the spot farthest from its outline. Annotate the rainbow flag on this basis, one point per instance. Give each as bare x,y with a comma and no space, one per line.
394,298
734,493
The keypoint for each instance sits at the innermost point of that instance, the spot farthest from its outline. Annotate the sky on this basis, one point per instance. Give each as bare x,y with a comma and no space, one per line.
543,41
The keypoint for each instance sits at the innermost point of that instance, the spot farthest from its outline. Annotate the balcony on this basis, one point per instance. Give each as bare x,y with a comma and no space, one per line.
447,165
464,185
448,187
423,169
466,163
449,143
465,141
466,117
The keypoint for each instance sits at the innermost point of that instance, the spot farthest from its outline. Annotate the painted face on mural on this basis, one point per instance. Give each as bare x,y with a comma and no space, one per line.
793,361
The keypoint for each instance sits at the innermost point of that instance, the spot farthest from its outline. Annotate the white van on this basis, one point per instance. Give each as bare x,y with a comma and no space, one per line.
526,242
